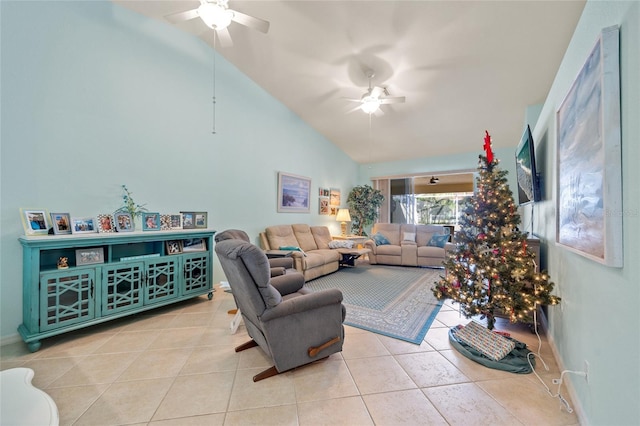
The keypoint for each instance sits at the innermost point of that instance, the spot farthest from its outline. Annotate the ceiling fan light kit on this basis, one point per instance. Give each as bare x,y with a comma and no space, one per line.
215,16
375,96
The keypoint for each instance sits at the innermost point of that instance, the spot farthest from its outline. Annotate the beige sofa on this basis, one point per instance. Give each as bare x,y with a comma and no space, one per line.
408,245
316,258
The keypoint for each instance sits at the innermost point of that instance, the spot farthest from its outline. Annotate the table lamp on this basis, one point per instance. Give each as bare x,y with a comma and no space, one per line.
343,217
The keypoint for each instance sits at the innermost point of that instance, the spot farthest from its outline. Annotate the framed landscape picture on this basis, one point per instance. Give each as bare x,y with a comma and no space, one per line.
89,256
589,158
83,225
294,193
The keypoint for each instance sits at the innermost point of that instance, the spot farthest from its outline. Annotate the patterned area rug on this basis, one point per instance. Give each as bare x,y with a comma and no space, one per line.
393,301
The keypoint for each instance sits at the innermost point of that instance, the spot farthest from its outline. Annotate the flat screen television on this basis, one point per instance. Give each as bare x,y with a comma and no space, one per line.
527,175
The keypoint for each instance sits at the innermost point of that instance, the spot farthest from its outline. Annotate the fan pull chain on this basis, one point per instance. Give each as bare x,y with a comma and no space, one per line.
213,130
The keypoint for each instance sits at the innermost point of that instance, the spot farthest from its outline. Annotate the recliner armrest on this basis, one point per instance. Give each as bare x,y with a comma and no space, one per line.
283,262
304,303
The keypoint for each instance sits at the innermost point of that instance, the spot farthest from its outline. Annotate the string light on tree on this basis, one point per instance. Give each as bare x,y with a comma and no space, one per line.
492,270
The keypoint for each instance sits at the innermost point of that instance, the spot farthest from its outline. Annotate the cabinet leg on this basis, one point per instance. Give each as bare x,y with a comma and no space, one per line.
210,295
34,346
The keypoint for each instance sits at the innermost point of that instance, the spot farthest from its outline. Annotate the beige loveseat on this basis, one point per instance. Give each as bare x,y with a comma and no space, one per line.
408,245
315,259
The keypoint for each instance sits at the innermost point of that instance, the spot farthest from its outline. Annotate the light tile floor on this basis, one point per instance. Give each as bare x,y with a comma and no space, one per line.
177,366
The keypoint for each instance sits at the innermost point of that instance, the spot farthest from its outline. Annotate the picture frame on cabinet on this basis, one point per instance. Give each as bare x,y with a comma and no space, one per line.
175,221
194,244
61,223
35,221
174,246
89,256
150,221
106,223
123,221
200,220
83,225
188,220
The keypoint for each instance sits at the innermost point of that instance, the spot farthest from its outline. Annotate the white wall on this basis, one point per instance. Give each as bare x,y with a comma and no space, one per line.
95,96
598,318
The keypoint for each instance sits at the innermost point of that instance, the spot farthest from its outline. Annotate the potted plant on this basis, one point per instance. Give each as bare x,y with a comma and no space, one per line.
364,202
131,207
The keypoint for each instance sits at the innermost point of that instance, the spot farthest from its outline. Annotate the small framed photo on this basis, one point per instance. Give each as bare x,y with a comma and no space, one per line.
194,244
83,225
188,220
174,246
35,222
150,221
105,223
61,223
200,219
124,222
89,256
175,221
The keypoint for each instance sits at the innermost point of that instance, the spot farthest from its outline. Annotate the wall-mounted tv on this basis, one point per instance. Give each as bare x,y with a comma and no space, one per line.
527,175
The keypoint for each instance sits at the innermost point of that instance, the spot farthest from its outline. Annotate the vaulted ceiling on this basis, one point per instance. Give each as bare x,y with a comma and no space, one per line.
463,66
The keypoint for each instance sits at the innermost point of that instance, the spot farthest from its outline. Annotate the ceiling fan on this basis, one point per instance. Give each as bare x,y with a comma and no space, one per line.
434,180
375,96
217,16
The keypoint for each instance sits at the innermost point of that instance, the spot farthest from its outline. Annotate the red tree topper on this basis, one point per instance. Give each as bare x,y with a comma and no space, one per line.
487,147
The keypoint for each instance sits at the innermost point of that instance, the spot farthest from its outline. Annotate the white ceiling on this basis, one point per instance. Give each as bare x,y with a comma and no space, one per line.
463,66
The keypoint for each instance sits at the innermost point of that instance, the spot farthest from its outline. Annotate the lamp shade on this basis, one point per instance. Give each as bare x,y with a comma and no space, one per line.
343,216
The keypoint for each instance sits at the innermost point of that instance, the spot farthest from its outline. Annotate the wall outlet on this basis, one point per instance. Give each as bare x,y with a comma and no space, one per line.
586,371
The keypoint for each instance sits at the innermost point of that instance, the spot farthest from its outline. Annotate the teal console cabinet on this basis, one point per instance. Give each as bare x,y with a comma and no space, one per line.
109,276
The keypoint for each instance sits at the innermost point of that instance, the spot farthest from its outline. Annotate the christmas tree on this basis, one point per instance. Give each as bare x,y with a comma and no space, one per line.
492,271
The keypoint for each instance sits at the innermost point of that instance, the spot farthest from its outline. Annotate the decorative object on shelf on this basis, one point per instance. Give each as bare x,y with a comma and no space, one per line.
165,222
334,197
83,225
364,204
589,176
194,244
89,256
175,221
294,193
61,223
35,221
174,246
343,217
130,206
150,221
124,222
106,223
492,270
63,263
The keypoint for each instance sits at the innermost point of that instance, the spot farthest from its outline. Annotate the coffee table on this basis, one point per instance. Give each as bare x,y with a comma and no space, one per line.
349,256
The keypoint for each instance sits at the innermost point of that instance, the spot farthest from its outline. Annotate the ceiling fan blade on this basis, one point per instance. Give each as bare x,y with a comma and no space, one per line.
174,18
377,91
251,22
224,37
396,100
353,100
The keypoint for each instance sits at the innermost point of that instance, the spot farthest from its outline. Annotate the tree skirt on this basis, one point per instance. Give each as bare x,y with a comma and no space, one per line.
515,361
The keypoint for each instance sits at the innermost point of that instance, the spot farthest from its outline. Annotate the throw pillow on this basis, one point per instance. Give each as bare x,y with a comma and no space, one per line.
335,244
380,239
438,240
409,236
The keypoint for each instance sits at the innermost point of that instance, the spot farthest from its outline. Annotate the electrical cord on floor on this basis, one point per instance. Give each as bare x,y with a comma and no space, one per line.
530,355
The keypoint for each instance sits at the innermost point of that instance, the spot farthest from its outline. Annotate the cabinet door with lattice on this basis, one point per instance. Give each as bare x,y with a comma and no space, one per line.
161,280
66,298
122,287
196,272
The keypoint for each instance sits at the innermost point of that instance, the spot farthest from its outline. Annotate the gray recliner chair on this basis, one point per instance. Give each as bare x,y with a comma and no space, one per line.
292,325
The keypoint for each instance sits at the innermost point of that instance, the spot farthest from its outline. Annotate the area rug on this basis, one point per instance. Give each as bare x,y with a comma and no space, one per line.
393,301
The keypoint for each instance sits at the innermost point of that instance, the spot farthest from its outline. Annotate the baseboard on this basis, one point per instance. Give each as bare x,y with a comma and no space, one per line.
8,340
575,401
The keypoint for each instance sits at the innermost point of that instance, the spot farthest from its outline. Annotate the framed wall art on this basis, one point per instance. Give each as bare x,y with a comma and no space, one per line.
589,179
123,221
150,221
294,193
35,221
83,225
105,223
334,198
323,205
61,223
